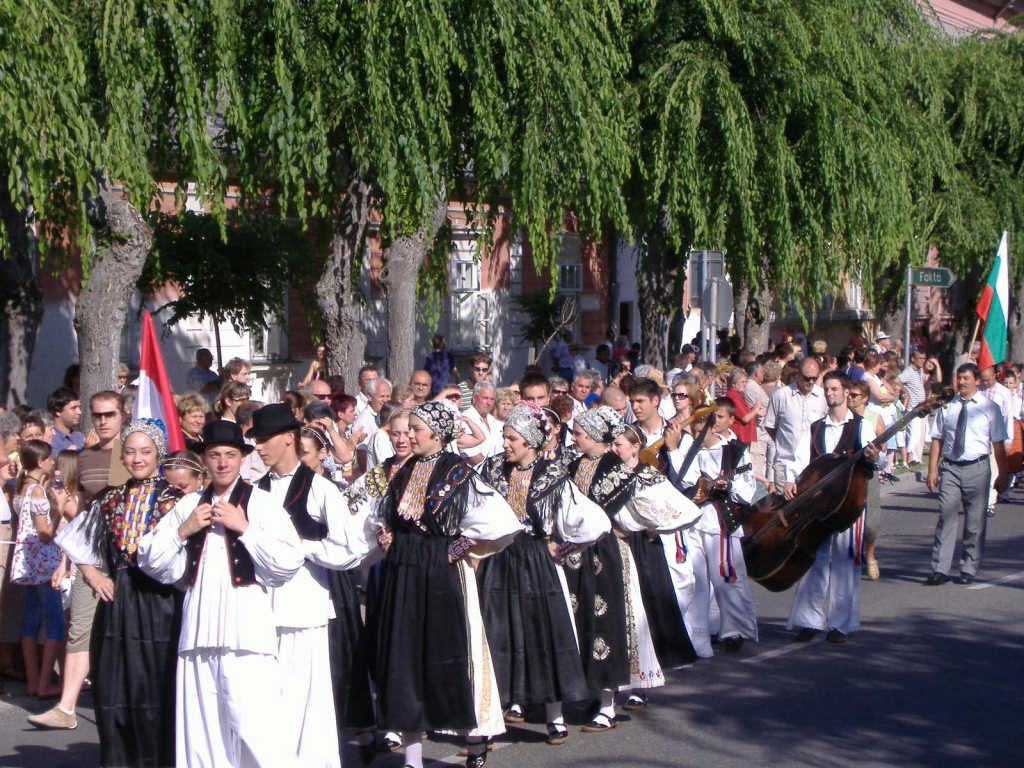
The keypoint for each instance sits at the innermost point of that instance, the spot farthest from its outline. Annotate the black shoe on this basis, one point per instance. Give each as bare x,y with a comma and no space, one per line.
557,734
935,579
835,636
600,722
732,644
635,702
805,635
963,578
514,714
476,761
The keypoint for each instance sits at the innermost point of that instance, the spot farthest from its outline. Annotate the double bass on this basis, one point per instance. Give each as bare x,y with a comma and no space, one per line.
781,538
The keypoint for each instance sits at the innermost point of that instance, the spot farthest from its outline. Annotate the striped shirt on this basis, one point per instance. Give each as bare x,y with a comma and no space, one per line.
913,382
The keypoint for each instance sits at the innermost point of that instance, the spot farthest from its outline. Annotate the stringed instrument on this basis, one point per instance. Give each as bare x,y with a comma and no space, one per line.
649,455
782,537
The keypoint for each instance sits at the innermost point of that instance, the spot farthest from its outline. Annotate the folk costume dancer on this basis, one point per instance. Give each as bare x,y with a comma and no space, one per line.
615,640
685,547
827,597
719,566
135,631
655,509
229,545
331,539
523,594
431,660
352,678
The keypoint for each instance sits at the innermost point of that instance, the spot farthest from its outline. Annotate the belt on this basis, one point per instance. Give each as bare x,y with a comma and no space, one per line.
956,463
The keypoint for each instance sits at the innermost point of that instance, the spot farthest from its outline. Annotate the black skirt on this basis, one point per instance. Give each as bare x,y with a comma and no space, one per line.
594,575
419,635
668,632
529,627
134,652
349,672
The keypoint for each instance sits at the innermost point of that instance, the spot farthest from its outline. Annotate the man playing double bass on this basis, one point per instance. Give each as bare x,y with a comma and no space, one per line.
828,595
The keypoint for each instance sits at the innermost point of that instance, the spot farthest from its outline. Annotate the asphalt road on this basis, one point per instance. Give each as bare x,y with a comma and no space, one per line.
935,677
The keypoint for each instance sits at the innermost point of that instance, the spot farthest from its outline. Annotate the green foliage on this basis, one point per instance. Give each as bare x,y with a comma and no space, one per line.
545,314
124,89
514,104
239,278
803,137
984,109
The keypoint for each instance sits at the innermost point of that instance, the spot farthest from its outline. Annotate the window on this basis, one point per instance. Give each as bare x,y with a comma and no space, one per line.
570,278
464,274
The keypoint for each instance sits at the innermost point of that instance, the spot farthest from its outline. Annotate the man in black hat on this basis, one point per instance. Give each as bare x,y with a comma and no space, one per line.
230,546
331,538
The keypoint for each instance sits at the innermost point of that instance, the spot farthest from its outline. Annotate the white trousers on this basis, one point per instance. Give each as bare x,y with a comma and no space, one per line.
828,595
229,711
733,598
689,547
307,699
917,435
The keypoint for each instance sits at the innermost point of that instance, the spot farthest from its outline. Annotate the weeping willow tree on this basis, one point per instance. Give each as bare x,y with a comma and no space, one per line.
802,137
984,108
405,106
101,101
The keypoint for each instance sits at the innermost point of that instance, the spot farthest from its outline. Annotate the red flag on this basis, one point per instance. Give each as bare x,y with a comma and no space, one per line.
154,399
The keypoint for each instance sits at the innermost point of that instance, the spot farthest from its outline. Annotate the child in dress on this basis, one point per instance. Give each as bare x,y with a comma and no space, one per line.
35,559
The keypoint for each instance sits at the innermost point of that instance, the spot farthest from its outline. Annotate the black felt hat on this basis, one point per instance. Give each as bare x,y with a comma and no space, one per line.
223,432
272,420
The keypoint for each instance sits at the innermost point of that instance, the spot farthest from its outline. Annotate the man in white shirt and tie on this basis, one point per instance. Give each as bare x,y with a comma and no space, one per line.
791,411
964,432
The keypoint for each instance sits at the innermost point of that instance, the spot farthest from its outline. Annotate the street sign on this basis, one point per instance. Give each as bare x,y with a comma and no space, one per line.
716,303
935,277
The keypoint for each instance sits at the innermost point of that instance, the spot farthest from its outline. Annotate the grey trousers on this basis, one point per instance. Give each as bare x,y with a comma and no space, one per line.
961,489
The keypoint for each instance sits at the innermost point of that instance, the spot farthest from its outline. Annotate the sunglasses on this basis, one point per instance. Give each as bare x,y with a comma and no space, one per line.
103,416
559,391
322,397
453,397
679,395
483,369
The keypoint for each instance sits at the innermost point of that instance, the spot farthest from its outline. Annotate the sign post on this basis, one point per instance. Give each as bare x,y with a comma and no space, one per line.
716,309
933,277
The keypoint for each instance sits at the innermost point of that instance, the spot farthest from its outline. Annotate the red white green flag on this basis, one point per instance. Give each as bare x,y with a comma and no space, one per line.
993,309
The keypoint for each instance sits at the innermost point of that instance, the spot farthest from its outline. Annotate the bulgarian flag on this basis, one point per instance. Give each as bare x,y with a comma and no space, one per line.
993,309
154,398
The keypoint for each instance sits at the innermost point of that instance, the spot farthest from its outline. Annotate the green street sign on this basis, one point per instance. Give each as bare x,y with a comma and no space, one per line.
934,277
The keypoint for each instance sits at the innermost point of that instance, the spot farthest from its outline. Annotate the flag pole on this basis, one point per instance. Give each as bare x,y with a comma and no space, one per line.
974,337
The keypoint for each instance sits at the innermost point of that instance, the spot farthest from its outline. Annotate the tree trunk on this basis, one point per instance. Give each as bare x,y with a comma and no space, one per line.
402,261
1015,326
655,322
751,316
21,301
658,295
335,290
123,239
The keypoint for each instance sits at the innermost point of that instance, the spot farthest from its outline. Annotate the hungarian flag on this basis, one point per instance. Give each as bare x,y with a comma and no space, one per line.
154,398
993,309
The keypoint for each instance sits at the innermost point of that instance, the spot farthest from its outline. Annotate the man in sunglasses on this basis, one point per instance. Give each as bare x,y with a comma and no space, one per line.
99,465
480,370
791,411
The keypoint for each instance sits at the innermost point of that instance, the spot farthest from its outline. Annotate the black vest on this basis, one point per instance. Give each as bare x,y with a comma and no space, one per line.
849,441
295,503
243,572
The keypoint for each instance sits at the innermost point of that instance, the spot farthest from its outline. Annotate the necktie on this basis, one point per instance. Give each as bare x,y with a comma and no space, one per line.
960,436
